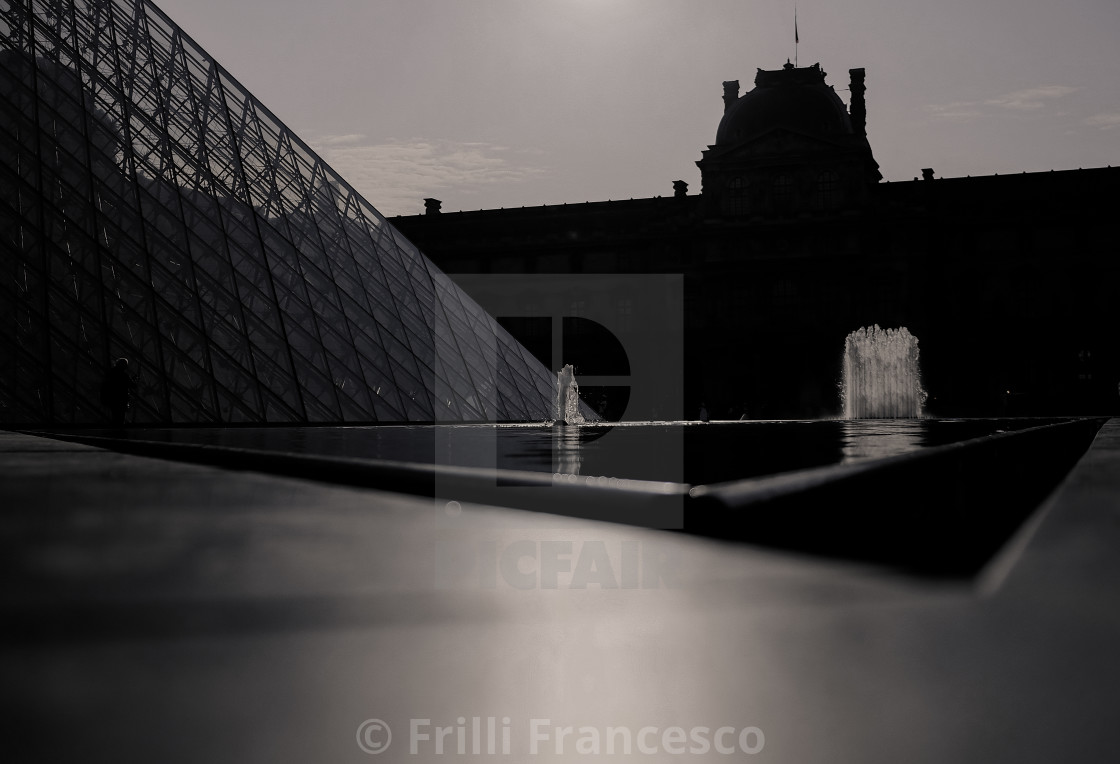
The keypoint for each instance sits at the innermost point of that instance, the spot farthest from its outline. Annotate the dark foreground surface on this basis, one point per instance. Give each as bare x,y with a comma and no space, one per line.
158,611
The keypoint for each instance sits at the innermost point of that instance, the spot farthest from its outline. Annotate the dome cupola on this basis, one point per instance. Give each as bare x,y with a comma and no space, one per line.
792,98
789,147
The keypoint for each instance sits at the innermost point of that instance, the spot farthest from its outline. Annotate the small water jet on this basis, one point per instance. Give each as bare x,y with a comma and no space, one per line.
881,375
567,397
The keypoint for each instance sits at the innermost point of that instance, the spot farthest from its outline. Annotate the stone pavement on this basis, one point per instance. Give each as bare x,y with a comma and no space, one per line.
159,611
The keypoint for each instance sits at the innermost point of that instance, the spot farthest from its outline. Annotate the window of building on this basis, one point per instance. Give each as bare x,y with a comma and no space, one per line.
783,191
735,200
827,195
784,293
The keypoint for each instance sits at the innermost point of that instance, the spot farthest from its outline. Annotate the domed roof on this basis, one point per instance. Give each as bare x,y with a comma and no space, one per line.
793,98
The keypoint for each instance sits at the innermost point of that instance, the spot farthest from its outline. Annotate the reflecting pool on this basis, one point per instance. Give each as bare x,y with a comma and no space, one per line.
689,452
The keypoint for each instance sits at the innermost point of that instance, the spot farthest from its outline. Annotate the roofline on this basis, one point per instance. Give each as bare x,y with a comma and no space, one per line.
587,206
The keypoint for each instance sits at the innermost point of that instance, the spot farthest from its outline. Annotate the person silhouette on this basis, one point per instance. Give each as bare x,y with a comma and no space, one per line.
116,391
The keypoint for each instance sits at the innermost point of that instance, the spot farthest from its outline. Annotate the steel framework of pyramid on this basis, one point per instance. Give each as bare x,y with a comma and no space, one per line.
151,208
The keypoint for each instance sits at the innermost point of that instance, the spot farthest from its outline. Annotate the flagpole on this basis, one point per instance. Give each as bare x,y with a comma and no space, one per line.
796,37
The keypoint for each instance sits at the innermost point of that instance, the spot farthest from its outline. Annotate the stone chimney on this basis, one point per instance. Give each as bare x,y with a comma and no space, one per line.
431,206
730,94
680,189
858,107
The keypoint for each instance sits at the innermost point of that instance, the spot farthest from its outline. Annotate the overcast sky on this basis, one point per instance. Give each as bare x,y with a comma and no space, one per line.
492,103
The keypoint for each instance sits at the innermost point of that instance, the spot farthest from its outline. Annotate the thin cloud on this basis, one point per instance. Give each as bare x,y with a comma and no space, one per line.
1031,98
1104,121
340,140
1028,99
396,176
958,111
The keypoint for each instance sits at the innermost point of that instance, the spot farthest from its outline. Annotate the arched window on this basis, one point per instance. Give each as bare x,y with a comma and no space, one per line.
735,199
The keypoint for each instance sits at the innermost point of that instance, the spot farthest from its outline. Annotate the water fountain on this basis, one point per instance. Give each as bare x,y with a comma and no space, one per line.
881,375
567,397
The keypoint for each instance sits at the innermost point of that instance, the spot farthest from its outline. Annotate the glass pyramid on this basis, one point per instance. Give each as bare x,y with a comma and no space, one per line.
151,208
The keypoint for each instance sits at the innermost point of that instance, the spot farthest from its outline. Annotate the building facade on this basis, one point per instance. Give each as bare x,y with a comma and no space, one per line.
795,241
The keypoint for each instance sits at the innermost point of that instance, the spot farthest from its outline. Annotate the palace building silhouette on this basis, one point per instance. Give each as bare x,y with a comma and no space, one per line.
794,241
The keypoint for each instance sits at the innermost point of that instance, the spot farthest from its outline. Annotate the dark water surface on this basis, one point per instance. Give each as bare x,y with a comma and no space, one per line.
690,452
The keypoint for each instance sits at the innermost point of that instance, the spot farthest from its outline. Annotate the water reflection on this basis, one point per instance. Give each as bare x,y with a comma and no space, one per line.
877,438
566,452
